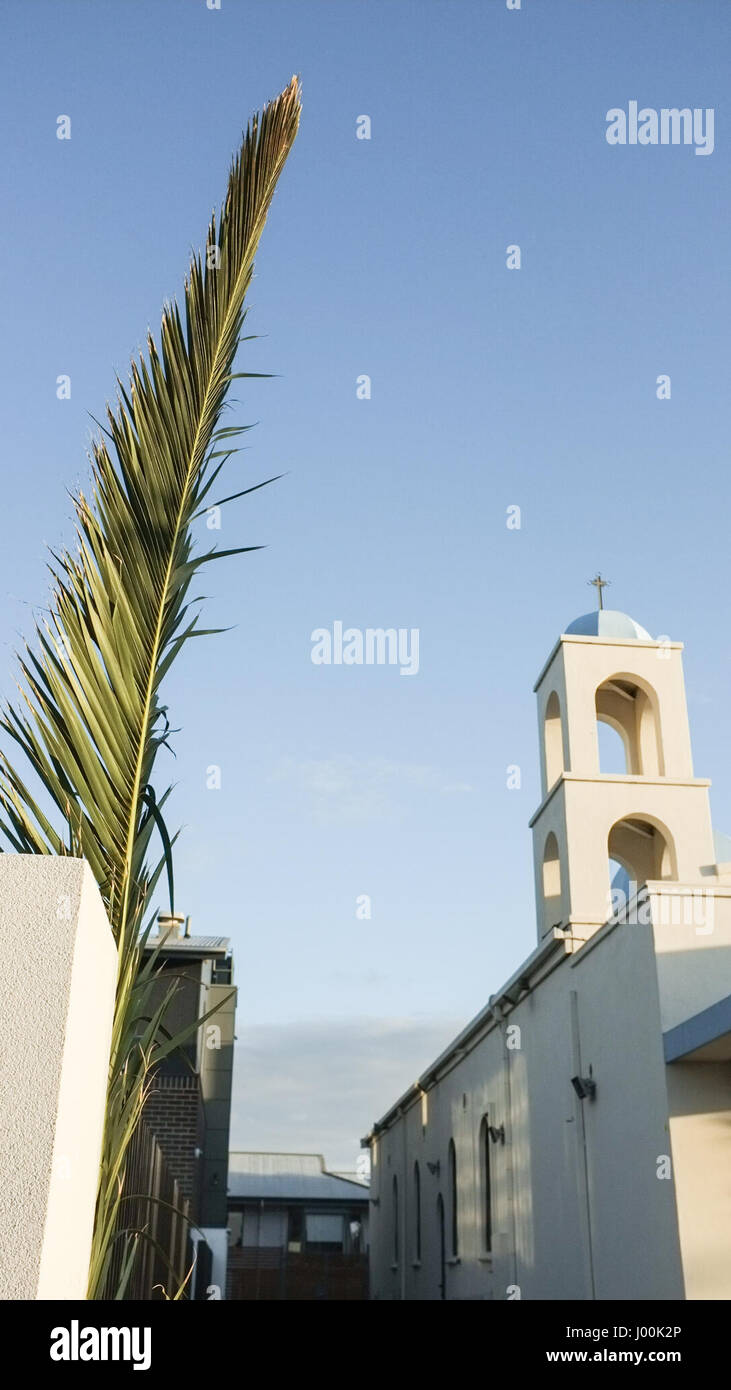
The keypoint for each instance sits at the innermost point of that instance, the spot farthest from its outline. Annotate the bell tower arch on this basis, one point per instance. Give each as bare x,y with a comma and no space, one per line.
652,818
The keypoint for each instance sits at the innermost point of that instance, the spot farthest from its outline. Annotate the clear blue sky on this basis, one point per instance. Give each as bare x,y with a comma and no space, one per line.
490,388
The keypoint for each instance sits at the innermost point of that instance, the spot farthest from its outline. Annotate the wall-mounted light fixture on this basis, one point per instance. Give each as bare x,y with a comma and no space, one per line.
497,1135
584,1086
434,1168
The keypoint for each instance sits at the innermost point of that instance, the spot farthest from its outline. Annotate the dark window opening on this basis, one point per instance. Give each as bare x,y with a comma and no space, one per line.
295,1229
417,1212
486,1186
454,1222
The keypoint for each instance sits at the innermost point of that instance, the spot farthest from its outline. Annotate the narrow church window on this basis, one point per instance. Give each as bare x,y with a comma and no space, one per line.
551,883
486,1189
417,1212
553,741
453,1199
395,1220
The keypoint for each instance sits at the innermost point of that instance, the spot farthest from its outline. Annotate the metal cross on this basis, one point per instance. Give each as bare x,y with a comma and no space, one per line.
599,584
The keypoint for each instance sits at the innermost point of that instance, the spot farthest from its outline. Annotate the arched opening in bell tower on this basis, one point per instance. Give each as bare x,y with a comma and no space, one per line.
639,849
551,883
553,740
629,707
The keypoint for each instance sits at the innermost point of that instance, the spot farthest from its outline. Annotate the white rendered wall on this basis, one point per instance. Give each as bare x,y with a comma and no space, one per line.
564,1227
692,926
700,1100
57,981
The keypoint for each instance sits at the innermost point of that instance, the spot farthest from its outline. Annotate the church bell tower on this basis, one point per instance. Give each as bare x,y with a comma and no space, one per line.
651,821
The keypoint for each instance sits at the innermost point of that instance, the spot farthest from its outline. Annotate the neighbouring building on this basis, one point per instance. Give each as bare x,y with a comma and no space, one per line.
296,1231
574,1142
189,1107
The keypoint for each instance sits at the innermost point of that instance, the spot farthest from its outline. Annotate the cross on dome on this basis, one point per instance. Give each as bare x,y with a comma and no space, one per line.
606,622
599,584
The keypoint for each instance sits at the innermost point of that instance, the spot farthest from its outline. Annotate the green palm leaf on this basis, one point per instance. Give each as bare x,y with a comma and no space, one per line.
91,718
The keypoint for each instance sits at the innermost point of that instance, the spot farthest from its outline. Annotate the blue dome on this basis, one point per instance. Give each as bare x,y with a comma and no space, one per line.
608,622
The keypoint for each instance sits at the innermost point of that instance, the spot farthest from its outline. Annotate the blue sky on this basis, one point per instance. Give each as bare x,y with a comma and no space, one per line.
490,388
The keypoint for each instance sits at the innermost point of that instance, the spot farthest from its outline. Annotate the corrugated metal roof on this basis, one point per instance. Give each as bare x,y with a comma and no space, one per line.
296,1177
198,945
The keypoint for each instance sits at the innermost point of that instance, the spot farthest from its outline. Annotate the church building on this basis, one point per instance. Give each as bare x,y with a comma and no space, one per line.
574,1141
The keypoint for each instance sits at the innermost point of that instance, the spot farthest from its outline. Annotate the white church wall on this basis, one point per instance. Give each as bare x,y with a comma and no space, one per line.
543,1238
699,1095
564,1228
632,1198
692,925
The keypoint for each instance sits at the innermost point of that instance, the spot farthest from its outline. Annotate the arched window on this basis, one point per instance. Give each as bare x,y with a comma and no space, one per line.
629,708
553,741
638,850
551,883
395,1220
485,1184
417,1212
453,1210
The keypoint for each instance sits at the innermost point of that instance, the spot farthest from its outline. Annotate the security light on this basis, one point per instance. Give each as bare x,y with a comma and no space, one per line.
584,1086
434,1168
497,1135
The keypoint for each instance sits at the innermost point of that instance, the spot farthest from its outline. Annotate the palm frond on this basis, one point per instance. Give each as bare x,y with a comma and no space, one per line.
91,719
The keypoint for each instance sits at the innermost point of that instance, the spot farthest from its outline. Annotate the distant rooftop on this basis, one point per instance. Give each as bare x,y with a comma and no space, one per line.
173,934
289,1177
192,945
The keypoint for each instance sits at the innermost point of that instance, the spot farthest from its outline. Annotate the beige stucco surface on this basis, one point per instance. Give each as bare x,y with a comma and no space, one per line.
700,1125
57,981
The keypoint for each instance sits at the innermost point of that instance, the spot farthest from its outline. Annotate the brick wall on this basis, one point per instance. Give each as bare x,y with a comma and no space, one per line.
174,1113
